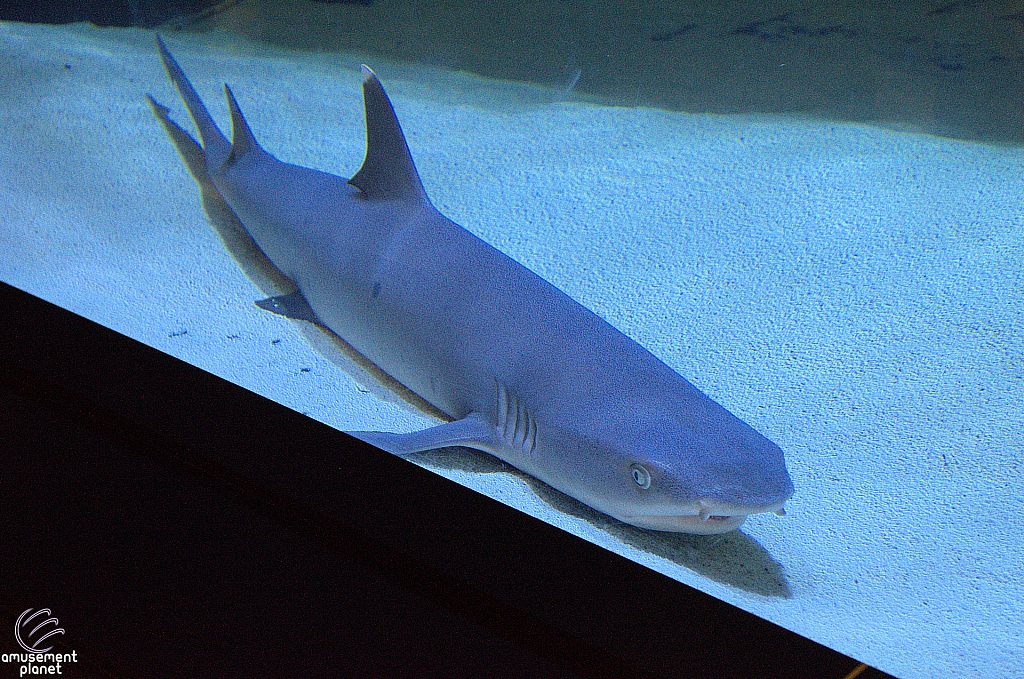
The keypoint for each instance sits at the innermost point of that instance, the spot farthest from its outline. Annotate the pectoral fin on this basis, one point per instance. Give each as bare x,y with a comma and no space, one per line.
292,305
471,431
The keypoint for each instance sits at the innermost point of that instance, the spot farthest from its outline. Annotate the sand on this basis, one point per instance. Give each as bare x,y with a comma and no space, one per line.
853,293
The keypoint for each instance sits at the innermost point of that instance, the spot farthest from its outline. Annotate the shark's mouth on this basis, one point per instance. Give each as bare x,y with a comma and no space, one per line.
711,525
710,518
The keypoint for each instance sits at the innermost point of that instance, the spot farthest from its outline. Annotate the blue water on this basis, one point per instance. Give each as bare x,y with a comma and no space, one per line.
854,293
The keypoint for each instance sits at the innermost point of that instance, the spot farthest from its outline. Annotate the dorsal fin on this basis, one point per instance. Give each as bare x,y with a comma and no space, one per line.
242,139
388,172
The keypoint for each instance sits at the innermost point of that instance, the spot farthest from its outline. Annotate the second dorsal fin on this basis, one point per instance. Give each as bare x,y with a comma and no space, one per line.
388,172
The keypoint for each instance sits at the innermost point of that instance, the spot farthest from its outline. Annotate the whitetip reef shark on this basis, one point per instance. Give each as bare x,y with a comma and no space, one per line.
525,372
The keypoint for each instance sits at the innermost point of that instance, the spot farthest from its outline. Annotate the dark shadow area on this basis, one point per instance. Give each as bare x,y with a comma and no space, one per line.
160,571
953,69
181,526
139,13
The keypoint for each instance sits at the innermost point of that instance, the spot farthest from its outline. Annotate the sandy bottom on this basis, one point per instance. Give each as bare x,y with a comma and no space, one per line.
853,293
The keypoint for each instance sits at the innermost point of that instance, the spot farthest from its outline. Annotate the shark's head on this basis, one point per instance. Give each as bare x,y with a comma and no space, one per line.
704,473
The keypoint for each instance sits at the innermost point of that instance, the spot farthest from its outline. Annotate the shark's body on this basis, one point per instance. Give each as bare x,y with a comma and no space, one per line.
526,373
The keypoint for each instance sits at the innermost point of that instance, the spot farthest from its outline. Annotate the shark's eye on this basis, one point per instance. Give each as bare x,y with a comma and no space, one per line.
641,476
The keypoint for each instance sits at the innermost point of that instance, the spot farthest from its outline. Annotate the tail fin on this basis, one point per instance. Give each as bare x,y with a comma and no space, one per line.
215,145
388,172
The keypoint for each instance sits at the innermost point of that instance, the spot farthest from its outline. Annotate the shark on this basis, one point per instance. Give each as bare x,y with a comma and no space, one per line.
523,371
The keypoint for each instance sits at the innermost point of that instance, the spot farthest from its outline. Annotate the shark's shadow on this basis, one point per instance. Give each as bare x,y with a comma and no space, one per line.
733,558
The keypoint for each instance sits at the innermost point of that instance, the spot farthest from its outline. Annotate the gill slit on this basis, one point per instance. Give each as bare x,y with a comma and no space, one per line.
515,425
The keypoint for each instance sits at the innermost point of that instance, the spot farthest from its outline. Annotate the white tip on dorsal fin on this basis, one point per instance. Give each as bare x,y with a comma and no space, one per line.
242,139
388,172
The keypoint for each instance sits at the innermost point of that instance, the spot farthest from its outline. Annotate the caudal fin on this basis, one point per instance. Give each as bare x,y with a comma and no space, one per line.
215,145
388,172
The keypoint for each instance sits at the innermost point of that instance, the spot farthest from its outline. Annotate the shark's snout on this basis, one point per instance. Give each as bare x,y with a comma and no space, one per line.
703,480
